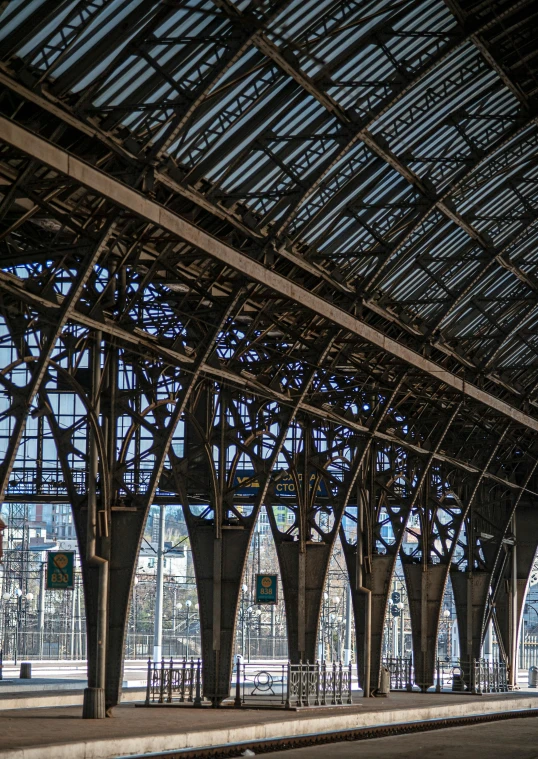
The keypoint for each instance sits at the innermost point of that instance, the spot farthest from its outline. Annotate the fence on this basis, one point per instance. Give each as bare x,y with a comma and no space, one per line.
169,681
140,646
59,646
528,652
401,672
475,676
293,685
260,684
53,645
277,685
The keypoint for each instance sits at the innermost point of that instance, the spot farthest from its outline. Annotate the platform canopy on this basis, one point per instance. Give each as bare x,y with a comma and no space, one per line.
324,213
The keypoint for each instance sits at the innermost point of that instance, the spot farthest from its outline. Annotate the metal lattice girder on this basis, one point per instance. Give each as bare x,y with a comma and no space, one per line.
323,214
507,619
153,213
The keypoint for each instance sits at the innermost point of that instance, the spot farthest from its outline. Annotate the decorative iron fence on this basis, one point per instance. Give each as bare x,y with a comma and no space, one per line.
293,685
490,676
474,676
170,681
260,684
401,672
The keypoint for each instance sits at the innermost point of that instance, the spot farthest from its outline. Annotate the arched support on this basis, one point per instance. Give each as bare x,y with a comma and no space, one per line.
218,531
218,564
121,550
425,589
377,581
471,590
512,586
304,547
303,577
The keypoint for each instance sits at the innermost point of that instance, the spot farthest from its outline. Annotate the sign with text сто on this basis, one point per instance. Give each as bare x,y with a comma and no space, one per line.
266,589
247,484
60,570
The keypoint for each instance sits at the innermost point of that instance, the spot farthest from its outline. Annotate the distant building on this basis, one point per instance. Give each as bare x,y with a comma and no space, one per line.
175,561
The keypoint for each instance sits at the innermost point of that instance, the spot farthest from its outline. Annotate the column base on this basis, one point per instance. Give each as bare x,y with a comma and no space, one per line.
93,706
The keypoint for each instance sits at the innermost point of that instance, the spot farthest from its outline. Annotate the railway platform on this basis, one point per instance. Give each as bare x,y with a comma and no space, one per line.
55,733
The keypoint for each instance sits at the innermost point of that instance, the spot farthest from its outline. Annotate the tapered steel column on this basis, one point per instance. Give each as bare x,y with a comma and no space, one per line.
94,694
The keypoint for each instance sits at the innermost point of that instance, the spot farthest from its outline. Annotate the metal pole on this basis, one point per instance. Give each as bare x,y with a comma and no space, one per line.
522,645
159,591
94,695
347,636
273,631
487,643
248,635
16,653
72,630
402,634
513,612
188,628
366,592
41,609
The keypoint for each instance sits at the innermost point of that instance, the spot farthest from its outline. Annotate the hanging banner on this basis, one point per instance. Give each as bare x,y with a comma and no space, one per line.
266,589
60,570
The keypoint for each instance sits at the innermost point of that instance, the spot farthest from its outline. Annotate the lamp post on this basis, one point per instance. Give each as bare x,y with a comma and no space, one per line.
258,620
329,619
247,622
188,604
390,631
446,617
5,600
244,589
400,606
18,597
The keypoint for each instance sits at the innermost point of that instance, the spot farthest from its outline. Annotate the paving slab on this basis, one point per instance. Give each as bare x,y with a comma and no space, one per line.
60,733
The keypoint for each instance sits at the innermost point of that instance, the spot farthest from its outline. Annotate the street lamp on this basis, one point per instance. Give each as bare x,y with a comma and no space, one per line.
244,589
446,618
18,595
188,604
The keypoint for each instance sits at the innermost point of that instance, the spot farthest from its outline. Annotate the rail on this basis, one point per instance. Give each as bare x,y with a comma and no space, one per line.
170,681
474,676
293,685
400,671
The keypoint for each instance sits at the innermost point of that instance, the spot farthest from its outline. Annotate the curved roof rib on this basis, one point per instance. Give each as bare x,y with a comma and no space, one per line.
378,157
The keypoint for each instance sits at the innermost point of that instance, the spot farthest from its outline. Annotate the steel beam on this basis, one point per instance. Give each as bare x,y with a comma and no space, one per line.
146,342
124,196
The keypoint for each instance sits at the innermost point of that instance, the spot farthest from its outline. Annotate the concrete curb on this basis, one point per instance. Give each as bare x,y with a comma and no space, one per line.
112,748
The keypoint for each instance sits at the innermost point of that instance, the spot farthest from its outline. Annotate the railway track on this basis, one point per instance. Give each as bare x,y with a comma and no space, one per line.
266,746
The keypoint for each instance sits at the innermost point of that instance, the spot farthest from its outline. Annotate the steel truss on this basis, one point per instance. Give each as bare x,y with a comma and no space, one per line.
283,241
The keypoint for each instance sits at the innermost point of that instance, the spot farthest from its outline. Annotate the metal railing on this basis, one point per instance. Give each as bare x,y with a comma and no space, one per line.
261,684
474,676
528,652
490,676
140,645
293,685
170,681
31,645
401,672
